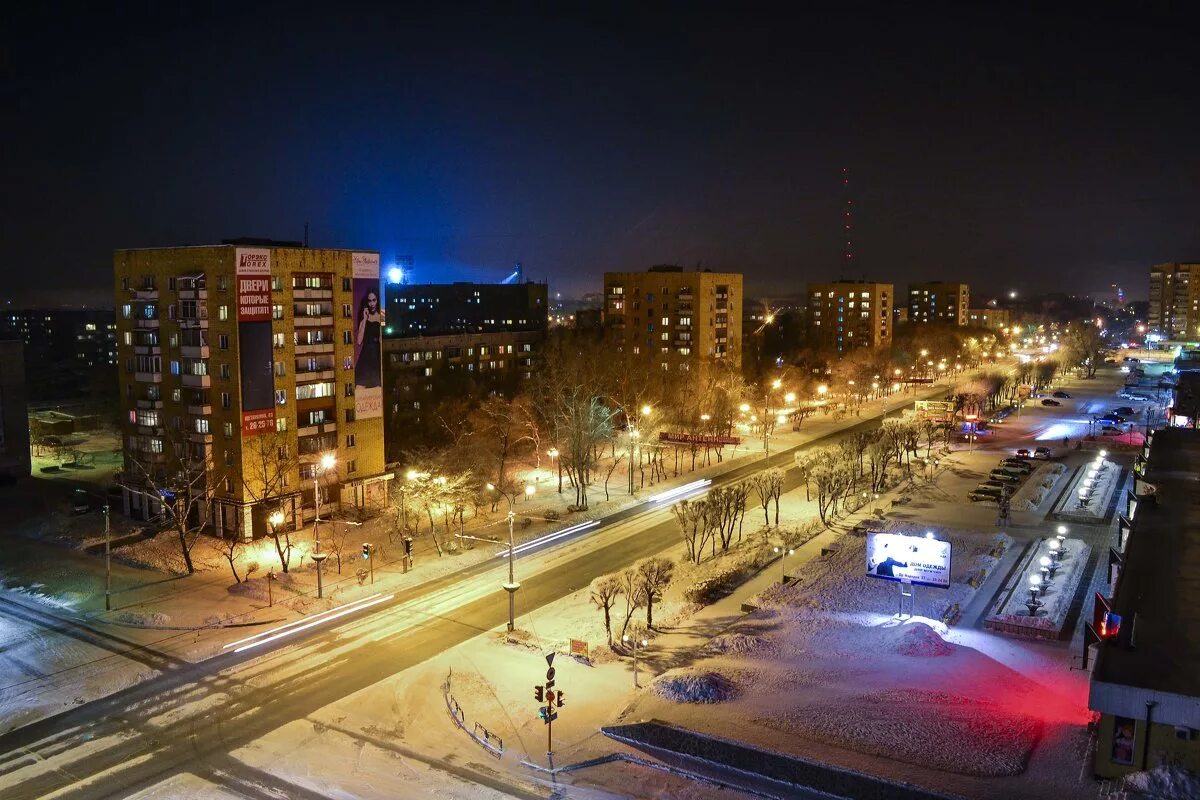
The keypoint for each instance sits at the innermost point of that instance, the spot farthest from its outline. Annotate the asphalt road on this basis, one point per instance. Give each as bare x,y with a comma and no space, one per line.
123,751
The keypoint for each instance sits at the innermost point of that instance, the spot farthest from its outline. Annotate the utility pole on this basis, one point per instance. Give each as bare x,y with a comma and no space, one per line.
107,561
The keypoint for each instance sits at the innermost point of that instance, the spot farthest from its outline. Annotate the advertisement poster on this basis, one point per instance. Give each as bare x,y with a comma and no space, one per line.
908,559
254,339
368,333
1124,729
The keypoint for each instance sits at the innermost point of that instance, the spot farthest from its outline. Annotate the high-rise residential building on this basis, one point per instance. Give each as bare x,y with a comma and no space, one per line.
990,318
69,352
457,341
938,302
250,376
14,420
848,314
674,319
1175,300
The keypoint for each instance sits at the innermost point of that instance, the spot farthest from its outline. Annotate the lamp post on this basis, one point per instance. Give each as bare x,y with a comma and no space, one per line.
512,586
328,461
783,554
553,453
635,643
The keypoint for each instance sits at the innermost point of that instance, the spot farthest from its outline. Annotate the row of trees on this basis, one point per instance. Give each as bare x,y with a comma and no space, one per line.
641,586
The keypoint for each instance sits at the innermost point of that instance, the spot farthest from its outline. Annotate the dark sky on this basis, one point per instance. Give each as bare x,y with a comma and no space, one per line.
1035,152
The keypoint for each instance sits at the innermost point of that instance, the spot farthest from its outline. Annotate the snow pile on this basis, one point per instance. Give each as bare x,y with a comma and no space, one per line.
686,686
921,726
142,619
921,640
738,644
1164,783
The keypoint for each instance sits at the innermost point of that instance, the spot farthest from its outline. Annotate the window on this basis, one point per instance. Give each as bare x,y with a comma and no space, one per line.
350,440
176,394
310,391
225,371
127,310
228,458
281,424
349,415
276,311
346,312
281,397
228,484
280,369
347,337
346,286
175,370
223,341
277,341
201,424
348,362
666,321
276,283
155,445
350,389
351,466
227,429
224,399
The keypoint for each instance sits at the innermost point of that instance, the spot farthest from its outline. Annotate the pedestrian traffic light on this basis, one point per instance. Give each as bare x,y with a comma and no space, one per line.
558,698
366,550
408,545
539,694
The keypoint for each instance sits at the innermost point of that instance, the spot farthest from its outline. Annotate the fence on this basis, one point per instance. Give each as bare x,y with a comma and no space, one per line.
490,741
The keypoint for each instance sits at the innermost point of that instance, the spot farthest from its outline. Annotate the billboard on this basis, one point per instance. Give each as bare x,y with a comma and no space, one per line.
918,560
253,275
368,333
706,439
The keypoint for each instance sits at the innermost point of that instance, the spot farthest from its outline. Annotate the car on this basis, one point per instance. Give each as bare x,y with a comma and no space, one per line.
1049,402
1022,452
1023,467
1110,419
1061,393
993,485
1123,411
1001,475
984,492
1042,452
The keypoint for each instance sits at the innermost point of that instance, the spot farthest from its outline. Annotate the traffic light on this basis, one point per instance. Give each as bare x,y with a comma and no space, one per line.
408,545
366,550
539,694
550,698
558,698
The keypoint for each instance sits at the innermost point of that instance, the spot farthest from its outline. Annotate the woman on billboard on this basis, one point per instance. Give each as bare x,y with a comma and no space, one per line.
367,358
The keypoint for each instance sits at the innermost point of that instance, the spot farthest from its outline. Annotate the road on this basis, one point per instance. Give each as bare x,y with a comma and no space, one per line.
192,716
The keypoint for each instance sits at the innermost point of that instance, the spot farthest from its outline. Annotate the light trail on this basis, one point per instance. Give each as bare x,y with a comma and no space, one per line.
550,537
318,619
679,491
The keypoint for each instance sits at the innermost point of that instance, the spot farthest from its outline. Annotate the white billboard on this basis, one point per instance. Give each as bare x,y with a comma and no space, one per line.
918,560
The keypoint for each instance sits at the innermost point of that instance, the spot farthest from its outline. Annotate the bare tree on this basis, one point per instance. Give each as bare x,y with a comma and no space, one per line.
269,466
233,547
654,575
635,597
605,591
692,518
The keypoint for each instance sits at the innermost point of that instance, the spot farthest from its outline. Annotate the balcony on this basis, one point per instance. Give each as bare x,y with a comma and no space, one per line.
194,351
150,430
317,375
196,381
313,322
200,411
328,426
313,294
684,297
146,324
148,377
149,404
316,347
144,294
193,294
147,349
199,438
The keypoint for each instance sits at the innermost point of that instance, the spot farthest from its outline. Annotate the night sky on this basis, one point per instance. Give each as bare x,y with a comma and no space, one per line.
1033,152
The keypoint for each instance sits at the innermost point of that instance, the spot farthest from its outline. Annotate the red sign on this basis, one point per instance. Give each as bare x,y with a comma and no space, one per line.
710,440
579,648
256,422
254,298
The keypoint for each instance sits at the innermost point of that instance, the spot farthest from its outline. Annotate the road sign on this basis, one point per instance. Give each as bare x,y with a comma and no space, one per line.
579,648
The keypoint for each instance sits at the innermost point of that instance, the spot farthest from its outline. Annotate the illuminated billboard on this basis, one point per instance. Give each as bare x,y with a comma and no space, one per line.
919,560
254,339
368,332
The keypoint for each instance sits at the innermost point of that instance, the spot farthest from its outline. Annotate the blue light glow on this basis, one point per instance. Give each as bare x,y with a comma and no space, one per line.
395,275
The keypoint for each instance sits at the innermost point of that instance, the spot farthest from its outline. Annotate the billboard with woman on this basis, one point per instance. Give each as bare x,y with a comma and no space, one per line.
368,337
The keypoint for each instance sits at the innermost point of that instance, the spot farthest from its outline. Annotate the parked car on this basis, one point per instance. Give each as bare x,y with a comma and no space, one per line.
1061,393
1123,411
994,485
1042,452
1049,402
1111,419
984,492
1110,430
1002,475
1022,452
1022,467
1001,415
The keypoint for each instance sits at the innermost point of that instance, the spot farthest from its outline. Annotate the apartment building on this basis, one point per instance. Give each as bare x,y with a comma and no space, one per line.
991,318
675,319
1175,300
452,342
250,376
939,302
848,314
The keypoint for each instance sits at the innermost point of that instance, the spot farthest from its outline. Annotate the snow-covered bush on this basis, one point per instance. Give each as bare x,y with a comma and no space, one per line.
686,686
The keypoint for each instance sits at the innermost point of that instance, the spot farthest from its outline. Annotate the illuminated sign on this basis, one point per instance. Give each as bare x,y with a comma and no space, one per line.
708,440
918,560
253,276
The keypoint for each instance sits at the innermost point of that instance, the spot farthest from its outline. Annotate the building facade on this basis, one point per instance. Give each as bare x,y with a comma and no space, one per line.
1175,301
69,352
674,319
849,314
938,302
250,375
446,343
14,424
990,318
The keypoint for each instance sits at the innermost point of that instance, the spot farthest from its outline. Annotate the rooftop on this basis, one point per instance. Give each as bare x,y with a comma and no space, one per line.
1160,579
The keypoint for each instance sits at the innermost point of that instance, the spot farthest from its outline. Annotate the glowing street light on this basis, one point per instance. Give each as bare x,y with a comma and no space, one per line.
775,384
647,410
512,586
744,407
635,643
789,398
822,390
783,554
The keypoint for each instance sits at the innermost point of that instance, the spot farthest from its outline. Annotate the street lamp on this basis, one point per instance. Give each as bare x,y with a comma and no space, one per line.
822,390
789,398
635,643
783,554
512,586
327,462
